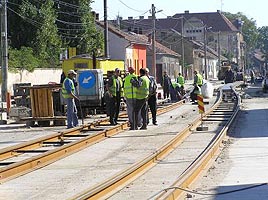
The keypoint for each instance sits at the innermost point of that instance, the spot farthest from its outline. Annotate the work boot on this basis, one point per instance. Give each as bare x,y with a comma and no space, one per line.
143,128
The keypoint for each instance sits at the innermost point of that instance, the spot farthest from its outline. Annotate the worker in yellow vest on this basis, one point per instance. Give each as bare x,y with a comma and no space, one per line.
180,80
175,94
198,82
130,96
68,93
142,94
115,91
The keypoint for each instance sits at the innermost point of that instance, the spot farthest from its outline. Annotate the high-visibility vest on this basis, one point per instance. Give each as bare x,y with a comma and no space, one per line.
143,91
65,94
199,79
129,90
112,89
180,80
175,84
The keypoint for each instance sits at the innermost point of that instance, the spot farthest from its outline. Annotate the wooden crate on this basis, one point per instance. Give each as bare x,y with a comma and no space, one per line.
41,102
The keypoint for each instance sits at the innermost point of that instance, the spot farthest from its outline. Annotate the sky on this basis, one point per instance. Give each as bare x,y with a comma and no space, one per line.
253,9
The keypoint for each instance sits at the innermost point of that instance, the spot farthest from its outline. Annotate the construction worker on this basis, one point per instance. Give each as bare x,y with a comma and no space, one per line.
166,82
114,88
68,93
130,96
152,103
180,80
175,94
229,76
198,82
142,93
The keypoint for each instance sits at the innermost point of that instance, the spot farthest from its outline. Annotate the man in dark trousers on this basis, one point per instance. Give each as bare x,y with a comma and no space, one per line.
152,96
198,82
229,76
142,93
130,96
115,90
166,82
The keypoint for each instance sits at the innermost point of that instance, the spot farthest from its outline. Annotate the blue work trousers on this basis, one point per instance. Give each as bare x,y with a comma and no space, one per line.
72,119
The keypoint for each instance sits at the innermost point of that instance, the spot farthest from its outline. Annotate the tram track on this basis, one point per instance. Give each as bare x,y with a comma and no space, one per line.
40,152
221,113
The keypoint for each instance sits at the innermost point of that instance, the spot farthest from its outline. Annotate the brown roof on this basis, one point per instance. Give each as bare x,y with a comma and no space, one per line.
132,38
259,55
139,39
216,20
160,49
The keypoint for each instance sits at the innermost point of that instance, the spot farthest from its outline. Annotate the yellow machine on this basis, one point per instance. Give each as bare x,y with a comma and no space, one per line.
83,63
91,81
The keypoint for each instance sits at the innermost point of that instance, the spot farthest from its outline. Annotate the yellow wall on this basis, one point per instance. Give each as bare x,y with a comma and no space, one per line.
87,63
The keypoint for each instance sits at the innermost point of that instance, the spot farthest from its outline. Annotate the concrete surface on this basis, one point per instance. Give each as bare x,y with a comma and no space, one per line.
243,164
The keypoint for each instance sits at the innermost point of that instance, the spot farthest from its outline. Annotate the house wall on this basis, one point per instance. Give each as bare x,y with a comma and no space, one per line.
139,56
117,46
37,77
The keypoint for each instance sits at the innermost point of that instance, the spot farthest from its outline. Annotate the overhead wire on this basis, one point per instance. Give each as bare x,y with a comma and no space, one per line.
130,7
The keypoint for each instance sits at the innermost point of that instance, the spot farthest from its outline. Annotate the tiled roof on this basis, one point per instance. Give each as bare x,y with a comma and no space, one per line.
160,49
216,20
259,55
132,38
139,39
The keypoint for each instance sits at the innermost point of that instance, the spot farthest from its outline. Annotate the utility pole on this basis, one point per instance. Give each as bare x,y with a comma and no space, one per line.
205,51
4,51
106,42
153,43
182,46
219,51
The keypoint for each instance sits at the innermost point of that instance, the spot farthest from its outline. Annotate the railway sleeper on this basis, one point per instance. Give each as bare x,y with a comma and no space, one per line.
56,143
31,151
6,163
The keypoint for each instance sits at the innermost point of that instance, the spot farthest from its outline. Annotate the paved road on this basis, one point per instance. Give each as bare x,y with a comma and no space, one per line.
243,163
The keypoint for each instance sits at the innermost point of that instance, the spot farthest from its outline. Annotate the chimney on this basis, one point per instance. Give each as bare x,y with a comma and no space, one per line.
141,17
150,17
186,12
97,16
130,18
218,11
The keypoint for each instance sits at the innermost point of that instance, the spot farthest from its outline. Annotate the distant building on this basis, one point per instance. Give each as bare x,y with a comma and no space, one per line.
221,34
136,51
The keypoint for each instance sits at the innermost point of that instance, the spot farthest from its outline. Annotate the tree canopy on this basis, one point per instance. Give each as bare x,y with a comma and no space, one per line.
48,26
249,28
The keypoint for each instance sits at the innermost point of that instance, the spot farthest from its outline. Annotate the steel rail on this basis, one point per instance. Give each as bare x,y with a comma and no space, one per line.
16,169
105,189
191,174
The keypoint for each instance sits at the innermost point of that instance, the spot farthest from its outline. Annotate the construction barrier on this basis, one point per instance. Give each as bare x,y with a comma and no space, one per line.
200,102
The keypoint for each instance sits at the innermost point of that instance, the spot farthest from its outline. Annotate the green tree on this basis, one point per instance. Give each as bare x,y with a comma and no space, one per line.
262,43
48,42
23,59
91,38
249,28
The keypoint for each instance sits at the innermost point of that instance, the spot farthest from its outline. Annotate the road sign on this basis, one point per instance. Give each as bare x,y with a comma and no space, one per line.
87,79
